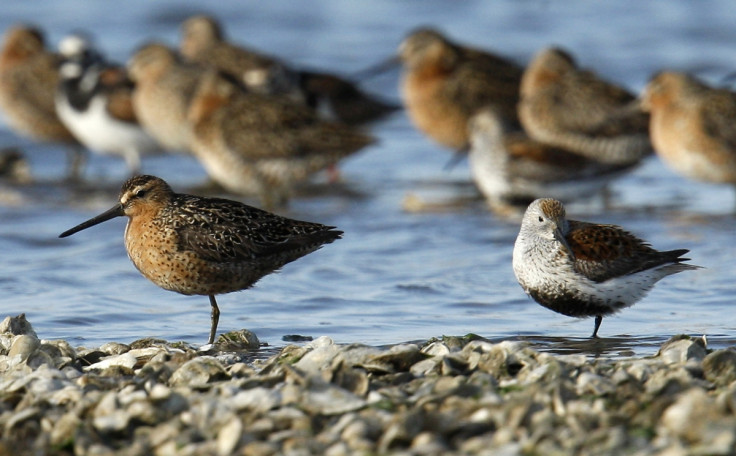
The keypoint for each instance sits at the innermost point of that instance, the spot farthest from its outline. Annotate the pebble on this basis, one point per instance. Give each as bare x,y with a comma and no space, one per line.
450,396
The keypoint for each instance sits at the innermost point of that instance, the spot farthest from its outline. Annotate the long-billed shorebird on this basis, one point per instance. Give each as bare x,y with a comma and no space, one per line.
205,246
259,144
443,84
29,75
164,88
333,96
573,108
692,126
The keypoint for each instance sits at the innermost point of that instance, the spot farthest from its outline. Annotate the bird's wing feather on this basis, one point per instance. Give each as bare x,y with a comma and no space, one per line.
603,252
224,231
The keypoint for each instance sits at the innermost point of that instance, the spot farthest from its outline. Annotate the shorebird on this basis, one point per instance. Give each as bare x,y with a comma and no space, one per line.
512,169
205,246
582,269
443,84
263,144
164,88
14,166
29,75
94,101
692,126
337,98
203,41
572,108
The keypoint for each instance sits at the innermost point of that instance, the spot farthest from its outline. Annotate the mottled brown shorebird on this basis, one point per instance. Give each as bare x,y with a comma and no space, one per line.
205,246
582,269
263,144
444,84
203,41
572,108
164,88
29,74
692,126
511,169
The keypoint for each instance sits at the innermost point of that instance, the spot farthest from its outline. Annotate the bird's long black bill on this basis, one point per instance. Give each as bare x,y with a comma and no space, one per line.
377,69
115,211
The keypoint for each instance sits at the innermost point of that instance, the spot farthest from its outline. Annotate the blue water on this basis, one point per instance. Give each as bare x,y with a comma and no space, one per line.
396,276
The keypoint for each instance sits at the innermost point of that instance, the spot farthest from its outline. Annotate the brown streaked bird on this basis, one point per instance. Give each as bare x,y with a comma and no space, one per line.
164,88
582,269
263,144
512,169
573,108
692,126
29,75
205,246
94,100
203,41
443,84
337,98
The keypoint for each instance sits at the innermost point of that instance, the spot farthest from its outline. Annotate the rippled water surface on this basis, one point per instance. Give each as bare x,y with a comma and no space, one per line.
396,276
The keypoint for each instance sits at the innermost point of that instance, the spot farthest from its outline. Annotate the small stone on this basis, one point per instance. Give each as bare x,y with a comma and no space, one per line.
319,358
238,340
125,360
229,436
325,399
356,354
719,367
430,366
114,348
70,394
147,342
297,338
589,383
689,415
257,399
64,429
682,348
159,392
260,449
241,370
19,417
453,365
338,449
398,358
59,348
108,416
198,372
436,349
428,443
17,326
23,346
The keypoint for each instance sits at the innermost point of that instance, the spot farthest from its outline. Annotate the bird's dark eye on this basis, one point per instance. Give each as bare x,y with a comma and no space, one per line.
541,219
140,193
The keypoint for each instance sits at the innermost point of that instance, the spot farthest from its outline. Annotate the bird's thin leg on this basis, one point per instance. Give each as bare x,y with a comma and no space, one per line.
78,156
215,319
598,320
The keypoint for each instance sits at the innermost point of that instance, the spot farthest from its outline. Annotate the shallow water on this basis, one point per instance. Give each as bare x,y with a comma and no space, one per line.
396,276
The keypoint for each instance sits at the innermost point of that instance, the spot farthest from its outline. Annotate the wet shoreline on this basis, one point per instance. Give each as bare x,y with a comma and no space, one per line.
451,395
